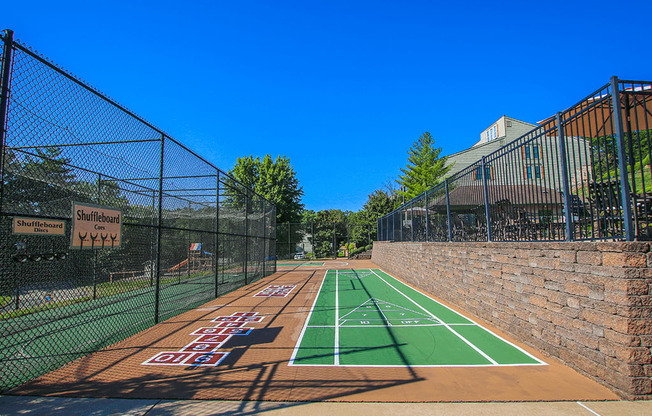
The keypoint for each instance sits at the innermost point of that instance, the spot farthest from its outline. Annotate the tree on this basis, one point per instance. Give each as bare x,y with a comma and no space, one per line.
425,168
328,229
379,203
276,180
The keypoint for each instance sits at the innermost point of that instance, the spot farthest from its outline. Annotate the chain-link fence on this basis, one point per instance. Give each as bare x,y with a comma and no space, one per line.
323,239
584,174
189,232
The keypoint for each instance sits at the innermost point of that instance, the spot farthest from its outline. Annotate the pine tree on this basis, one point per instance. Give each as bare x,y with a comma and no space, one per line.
425,168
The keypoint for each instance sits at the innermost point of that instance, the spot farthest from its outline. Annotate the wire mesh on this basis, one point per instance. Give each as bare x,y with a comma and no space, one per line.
323,239
189,232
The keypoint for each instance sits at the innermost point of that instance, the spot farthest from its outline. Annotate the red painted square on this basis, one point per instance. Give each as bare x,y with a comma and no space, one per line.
237,331
169,358
250,319
213,338
207,330
230,324
209,358
245,314
226,319
201,346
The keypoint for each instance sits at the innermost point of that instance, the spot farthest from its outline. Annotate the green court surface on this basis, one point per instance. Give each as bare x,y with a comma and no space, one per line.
368,318
36,343
310,263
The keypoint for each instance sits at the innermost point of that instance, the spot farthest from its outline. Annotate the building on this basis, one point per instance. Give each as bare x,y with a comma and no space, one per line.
501,132
522,169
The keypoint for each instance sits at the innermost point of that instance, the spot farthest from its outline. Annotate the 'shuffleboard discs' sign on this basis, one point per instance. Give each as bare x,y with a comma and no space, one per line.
95,227
38,226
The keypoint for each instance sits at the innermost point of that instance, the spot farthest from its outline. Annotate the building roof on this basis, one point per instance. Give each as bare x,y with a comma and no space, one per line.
473,195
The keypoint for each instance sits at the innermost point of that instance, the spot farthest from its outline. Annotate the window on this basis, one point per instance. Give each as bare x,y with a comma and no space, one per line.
528,172
492,133
531,152
477,174
535,152
537,172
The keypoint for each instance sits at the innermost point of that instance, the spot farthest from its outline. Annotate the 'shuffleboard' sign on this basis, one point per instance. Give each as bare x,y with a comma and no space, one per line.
95,227
38,226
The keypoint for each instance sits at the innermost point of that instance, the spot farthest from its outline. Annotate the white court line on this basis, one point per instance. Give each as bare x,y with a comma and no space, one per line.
385,326
336,351
466,341
383,313
303,330
595,413
475,323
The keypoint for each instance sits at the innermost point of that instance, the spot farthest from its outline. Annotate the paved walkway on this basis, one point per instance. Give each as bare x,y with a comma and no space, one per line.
59,406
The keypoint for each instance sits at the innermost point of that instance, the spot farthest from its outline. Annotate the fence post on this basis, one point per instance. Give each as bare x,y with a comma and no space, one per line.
448,211
486,199
152,248
564,178
412,222
273,221
312,238
157,293
263,203
347,239
334,242
619,132
427,217
246,256
216,262
4,103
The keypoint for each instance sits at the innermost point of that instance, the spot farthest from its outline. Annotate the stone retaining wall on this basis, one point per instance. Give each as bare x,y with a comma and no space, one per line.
587,303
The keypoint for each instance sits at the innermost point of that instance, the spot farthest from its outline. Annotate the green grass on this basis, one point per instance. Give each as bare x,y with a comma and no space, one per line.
103,290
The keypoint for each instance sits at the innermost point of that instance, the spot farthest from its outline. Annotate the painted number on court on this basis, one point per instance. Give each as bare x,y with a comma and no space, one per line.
203,350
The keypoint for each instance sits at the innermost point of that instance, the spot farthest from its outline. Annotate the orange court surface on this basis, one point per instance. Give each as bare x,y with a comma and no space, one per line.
265,321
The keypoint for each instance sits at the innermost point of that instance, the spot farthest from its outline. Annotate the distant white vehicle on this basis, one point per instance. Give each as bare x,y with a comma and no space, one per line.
299,256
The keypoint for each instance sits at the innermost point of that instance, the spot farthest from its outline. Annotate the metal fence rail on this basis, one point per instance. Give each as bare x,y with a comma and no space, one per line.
584,174
190,232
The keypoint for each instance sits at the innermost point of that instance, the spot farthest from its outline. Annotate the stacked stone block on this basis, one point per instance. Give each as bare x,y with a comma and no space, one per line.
588,304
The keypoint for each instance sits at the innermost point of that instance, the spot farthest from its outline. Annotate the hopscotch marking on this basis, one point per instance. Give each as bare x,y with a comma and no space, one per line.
203,351
275,291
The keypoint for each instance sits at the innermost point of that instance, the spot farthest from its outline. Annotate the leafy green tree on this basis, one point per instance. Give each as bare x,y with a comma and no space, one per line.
328,228
276,180
425,167
379,203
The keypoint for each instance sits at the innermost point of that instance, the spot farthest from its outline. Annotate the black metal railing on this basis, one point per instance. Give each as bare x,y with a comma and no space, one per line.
583,174
189,232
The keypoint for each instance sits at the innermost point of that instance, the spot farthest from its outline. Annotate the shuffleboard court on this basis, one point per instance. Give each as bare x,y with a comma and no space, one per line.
369,318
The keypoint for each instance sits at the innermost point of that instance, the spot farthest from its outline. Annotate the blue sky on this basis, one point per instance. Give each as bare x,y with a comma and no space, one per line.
343,88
